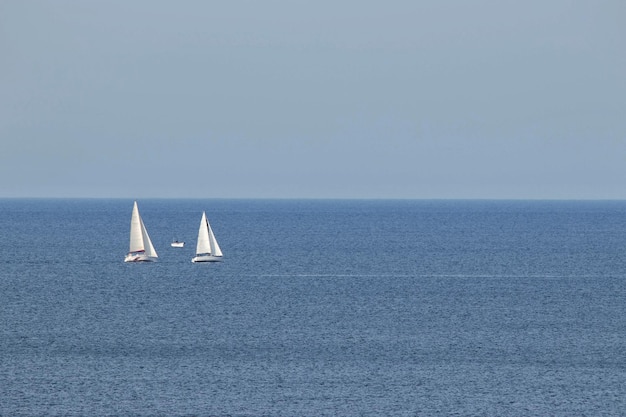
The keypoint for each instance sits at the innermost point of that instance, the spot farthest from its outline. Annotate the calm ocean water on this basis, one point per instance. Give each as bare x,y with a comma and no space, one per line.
344,308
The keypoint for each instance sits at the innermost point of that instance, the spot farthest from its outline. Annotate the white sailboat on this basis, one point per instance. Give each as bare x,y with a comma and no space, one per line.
207,249
141,248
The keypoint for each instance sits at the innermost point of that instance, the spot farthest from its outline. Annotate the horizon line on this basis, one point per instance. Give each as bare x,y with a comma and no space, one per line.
318,198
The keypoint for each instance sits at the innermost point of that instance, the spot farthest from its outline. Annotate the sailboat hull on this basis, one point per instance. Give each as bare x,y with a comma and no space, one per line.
133,257
206,258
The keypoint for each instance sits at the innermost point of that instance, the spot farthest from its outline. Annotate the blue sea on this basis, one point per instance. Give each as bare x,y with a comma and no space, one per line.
319,308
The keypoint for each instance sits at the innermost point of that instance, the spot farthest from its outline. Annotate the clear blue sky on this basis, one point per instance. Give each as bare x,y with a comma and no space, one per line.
294,98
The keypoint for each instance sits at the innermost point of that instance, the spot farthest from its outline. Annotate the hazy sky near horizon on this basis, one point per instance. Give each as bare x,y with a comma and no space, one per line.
320,99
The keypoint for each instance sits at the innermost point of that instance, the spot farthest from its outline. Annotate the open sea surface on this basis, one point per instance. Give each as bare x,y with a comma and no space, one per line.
320,307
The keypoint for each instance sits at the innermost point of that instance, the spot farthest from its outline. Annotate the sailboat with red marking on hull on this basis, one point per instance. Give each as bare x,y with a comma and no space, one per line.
141,248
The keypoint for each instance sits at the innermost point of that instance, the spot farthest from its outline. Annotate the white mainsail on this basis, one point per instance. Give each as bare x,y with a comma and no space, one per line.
141,248
204,245
136,237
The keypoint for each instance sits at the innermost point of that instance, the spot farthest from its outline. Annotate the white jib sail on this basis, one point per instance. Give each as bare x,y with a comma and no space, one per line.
150,251
215,248
203,246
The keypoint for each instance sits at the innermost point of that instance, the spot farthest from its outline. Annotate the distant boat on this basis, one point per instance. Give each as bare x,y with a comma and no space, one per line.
207,249
177,244
141,249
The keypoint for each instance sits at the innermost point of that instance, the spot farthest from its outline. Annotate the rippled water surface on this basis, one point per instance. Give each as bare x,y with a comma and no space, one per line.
319,308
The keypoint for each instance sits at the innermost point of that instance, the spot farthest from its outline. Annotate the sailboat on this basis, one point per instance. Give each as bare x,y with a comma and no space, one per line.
207,249
141,249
